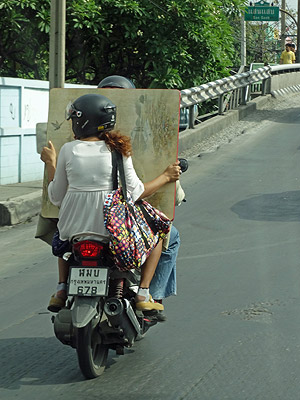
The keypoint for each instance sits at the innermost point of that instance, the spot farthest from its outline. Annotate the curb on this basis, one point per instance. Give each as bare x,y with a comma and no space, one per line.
20,209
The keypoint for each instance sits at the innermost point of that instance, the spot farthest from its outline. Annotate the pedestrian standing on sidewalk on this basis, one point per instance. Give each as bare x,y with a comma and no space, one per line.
287,56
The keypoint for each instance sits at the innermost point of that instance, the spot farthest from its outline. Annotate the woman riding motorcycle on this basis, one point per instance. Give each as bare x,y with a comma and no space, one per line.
82,179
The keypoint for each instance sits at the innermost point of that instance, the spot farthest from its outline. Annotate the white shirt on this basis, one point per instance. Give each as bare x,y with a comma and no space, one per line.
82,180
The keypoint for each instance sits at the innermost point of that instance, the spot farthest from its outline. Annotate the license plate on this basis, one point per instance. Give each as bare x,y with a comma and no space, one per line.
88,281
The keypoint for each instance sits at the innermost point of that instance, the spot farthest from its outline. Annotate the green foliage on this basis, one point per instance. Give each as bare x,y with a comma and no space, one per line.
24,27
157,43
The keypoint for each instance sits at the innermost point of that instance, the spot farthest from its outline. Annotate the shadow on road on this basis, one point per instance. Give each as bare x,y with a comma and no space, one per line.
39,361
281,207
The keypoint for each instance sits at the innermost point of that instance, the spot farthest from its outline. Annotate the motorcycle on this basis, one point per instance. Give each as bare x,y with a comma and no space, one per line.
100,313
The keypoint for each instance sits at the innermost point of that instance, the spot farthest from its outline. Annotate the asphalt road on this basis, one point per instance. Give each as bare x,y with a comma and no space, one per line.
233,330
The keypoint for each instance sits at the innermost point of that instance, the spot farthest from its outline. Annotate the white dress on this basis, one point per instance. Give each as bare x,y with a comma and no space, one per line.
82,180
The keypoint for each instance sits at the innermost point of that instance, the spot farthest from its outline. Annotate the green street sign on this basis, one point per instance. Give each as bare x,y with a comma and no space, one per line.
262,11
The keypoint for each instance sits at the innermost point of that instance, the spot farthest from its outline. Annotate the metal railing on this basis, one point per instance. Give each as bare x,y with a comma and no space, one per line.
233,91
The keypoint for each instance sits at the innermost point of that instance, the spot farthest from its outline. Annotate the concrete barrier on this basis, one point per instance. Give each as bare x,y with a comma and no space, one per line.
190,137
20,209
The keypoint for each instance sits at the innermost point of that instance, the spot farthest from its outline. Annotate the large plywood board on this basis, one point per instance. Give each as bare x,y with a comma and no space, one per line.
149,116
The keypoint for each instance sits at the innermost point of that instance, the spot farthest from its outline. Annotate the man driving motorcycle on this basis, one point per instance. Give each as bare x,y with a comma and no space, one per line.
163,283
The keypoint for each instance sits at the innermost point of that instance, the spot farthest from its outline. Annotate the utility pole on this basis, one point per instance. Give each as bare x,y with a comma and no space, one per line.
298,35
243,41
283,25
57,44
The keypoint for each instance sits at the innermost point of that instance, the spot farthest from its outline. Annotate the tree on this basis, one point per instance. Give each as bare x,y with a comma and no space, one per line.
24,27
158,43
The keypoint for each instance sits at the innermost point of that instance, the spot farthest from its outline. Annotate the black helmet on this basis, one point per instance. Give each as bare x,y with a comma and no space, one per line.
91,114
116,81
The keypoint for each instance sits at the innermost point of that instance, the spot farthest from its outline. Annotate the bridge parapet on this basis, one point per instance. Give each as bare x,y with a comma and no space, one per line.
234,91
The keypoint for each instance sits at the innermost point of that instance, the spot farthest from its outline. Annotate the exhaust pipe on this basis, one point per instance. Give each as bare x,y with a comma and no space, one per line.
122,317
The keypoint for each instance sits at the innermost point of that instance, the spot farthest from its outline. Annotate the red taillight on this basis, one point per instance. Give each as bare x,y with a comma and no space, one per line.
89,263
88,249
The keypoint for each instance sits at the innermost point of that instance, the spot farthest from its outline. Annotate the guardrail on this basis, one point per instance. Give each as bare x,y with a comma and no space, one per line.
232,91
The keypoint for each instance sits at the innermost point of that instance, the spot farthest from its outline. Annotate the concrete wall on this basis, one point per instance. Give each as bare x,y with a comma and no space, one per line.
23,104
282,81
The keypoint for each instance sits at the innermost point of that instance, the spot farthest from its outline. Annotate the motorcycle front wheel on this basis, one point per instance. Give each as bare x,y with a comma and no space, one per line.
91,352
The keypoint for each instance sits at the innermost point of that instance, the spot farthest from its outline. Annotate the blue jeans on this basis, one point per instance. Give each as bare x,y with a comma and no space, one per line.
163,283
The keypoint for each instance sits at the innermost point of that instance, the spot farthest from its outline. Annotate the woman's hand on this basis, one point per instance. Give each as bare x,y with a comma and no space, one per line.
172,172
48,154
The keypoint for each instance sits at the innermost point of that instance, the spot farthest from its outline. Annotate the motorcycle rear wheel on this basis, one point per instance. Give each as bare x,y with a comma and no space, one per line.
91,353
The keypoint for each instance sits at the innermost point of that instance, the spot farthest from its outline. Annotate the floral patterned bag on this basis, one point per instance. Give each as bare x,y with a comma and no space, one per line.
135,228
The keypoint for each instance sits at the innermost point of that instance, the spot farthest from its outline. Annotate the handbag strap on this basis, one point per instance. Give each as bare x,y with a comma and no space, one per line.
114,170
117,164
150,221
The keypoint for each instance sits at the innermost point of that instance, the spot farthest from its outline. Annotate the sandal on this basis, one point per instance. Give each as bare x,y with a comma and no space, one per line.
148,305
57,302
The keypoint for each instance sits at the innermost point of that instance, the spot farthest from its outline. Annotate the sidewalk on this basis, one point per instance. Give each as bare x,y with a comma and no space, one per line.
19,201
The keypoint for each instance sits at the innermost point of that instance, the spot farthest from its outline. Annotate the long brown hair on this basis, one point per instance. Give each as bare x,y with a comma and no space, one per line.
116,141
